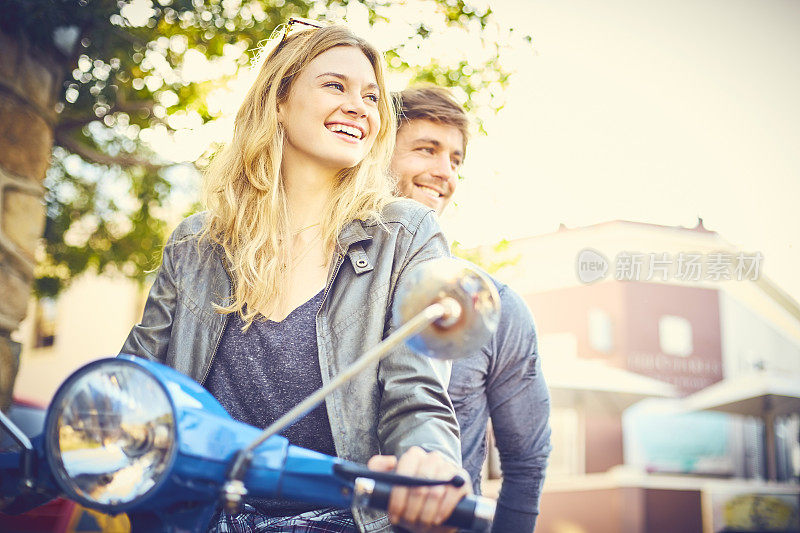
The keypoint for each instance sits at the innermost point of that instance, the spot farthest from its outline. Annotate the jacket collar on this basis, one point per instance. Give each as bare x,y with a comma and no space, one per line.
352,233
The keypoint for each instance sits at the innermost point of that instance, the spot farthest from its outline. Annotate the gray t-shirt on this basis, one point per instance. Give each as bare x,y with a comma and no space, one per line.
260,374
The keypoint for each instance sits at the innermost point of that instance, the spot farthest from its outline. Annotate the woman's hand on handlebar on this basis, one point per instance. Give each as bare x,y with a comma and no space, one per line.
422,509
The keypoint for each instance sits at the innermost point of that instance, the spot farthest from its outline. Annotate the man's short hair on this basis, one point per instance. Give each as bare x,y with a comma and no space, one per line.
431,103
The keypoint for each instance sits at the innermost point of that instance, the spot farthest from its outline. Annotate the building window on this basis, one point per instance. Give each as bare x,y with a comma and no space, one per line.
601,336
675,335
44,328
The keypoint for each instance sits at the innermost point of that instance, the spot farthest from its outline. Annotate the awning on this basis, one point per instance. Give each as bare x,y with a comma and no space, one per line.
756,394
593,384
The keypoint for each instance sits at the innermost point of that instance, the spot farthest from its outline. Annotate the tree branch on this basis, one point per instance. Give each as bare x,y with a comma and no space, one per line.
96,156
69,124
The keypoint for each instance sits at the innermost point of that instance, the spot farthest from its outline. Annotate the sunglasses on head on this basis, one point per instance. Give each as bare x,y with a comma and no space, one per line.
298,24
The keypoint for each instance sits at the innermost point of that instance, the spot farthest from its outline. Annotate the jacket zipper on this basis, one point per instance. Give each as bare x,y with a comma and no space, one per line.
221,331
339,261
328,286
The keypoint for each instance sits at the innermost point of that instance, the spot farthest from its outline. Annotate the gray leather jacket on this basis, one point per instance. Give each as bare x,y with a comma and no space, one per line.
398,403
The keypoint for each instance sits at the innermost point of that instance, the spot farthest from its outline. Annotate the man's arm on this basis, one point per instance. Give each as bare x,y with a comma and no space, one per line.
519,405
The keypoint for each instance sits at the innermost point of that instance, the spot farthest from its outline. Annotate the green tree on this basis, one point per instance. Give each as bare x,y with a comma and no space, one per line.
492,259
85,85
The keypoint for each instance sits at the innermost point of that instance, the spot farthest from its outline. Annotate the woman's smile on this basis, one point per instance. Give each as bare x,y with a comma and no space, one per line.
347,131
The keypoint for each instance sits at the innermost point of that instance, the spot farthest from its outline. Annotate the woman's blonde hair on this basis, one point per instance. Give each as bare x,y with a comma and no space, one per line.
244,191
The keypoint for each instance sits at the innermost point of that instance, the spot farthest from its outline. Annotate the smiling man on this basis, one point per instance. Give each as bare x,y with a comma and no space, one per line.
504,380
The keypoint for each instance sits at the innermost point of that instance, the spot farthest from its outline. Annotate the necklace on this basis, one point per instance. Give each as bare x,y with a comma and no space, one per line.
301,230
305,251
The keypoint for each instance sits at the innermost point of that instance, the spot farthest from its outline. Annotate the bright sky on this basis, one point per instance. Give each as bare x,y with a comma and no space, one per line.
648,110
653,111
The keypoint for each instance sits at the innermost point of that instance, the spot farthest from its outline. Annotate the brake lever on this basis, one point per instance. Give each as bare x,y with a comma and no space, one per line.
352,471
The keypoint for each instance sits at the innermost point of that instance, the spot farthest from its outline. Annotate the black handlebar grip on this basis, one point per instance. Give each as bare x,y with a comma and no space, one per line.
472,512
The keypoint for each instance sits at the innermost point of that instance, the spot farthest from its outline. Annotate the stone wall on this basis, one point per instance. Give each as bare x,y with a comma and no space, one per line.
28,91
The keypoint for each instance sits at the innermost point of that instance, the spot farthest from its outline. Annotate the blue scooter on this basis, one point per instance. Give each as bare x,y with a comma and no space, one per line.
128,435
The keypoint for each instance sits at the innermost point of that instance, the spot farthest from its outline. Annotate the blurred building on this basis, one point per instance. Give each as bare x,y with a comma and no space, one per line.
89,320
647,334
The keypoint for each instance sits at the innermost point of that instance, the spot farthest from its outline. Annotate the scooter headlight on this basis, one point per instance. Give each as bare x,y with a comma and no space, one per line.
111,434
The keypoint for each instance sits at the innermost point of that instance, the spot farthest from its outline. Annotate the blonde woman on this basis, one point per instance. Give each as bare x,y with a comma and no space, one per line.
289,276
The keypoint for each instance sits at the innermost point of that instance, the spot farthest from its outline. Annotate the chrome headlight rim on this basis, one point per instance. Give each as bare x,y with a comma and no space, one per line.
53,452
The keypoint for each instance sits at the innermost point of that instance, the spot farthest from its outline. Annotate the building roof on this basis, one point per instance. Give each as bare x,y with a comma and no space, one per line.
548,261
